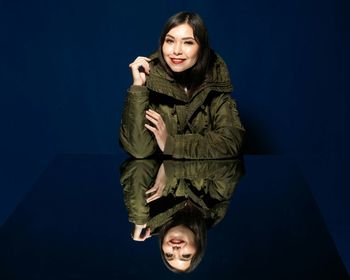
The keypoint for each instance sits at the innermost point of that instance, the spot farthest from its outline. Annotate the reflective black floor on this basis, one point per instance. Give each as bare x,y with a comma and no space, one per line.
74,225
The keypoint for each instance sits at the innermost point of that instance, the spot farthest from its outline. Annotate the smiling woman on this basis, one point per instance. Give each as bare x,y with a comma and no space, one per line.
180,101
178,201
180,49
183,240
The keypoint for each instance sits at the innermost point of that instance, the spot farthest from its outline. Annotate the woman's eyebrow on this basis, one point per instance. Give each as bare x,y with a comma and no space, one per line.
181,259
184,38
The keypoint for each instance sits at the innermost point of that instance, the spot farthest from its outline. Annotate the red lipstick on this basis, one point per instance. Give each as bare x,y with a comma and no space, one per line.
177,60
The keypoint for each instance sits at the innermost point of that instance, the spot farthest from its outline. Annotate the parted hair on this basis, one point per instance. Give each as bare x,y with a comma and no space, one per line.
194,76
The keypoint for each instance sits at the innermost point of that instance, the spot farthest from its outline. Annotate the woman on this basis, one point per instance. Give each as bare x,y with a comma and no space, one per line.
183,239
179,103
178,201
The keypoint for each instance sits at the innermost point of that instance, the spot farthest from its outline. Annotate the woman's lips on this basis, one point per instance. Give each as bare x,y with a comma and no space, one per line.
177,60
176,241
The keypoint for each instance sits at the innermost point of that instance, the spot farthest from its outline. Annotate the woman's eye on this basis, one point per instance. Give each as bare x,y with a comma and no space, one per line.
168,255
186,256
188,42
168,41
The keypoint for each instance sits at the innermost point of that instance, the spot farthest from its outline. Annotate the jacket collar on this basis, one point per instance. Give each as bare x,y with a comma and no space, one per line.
217,80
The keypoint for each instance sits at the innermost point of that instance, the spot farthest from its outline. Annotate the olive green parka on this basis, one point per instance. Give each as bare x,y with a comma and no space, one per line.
209,184
203,125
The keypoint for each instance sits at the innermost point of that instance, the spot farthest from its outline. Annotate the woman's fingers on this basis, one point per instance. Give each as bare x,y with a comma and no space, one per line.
153,114
154,196
151,128
151,190
158,129
156,192
147,234
140,64
140,59
137,234
151,198
155,119
139,68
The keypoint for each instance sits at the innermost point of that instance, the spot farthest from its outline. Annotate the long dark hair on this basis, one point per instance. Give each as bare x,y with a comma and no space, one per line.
191,217
194,76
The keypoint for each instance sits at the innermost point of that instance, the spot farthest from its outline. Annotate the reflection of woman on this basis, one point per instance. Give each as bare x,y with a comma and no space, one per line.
183,239
179,103
179,201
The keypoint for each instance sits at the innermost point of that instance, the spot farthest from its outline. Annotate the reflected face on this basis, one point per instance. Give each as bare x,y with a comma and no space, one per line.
180,49
179,247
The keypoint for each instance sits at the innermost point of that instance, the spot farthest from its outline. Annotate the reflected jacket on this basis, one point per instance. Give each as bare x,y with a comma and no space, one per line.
205,125
209,184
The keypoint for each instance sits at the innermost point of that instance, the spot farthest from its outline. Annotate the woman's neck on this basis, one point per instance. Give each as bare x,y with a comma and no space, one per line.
183,81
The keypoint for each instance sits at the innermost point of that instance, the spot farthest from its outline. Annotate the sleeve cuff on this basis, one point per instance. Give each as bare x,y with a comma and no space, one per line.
137,89
169,146
169,169
139,221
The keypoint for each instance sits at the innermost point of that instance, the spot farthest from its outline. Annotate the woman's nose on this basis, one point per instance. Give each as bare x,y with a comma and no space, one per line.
177,246
177,49
176,253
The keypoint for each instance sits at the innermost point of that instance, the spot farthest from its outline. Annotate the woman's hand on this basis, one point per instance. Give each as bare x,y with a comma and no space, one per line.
137,234
139,69
157,190
159,129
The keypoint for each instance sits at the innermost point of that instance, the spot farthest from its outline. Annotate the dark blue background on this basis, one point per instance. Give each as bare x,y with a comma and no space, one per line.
64,73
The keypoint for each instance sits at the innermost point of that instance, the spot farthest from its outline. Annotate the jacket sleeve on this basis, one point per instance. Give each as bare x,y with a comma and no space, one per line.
223,140
133,136
136,177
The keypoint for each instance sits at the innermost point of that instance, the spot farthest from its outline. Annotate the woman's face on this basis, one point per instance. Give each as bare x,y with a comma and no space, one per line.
180,49
179,247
